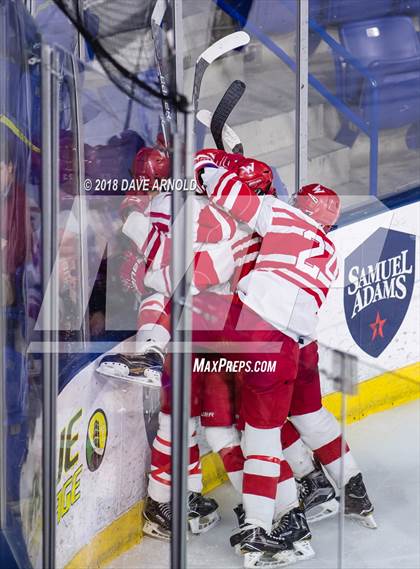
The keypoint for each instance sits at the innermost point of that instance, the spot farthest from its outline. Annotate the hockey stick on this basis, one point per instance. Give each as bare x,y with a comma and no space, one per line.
230,139
156,22
226,105
130,101
219,48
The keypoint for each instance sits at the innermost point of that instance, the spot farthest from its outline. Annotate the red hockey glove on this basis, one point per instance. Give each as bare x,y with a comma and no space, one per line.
132,270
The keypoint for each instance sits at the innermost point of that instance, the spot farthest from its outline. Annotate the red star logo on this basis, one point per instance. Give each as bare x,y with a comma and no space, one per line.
377,327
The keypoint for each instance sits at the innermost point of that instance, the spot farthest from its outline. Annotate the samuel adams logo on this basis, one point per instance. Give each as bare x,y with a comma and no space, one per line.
379,280
96,439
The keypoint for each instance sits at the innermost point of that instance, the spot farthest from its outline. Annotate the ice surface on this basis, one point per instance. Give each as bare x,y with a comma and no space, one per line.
387,447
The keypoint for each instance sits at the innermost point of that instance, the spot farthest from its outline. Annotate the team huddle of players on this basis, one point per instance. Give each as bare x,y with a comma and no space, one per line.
262,270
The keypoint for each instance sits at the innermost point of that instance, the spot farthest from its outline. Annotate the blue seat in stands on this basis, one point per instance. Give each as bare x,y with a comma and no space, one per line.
279,17
393,63
407,7
341,11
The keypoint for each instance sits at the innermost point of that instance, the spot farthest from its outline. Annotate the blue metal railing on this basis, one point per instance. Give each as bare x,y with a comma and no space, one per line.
369,126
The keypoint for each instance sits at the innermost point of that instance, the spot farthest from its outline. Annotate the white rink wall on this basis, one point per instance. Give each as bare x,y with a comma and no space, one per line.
95,486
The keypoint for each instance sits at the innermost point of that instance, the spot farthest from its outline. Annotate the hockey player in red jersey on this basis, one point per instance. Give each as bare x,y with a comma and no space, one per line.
147,223
314,425
279,302
264,401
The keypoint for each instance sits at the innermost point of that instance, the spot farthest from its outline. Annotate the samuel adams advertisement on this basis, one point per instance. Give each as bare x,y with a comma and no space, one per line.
379,280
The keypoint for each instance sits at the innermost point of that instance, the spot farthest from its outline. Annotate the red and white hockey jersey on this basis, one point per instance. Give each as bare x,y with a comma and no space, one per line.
296,262
213,233
224,251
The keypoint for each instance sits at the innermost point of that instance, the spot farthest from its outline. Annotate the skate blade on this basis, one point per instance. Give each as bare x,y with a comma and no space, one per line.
322,511
151,382
204,524
303,550
260,559
119,372
367,521
152,530
235,541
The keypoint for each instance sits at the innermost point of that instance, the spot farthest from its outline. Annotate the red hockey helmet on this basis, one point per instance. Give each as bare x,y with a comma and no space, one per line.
320,203
151,164
212,157
257,175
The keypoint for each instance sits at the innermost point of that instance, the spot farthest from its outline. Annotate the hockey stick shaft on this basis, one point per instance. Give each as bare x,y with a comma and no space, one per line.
215,51
156,22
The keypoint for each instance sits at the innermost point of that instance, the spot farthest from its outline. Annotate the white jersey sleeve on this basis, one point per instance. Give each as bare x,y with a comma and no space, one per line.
227,191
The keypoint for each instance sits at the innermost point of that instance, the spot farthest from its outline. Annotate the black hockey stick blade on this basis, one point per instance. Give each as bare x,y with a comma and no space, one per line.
227,103
238,149
230,139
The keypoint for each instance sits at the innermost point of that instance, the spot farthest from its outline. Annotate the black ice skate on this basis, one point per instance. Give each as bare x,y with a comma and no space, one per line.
145,369
235,538
261,549
203,513
240,514
157,519
357,503
293,528
317,495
